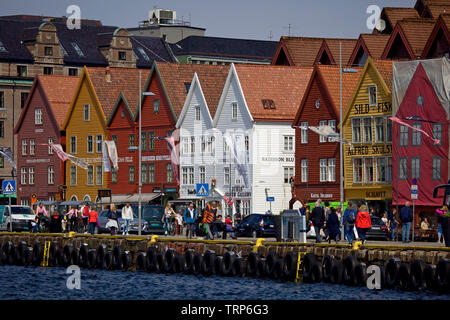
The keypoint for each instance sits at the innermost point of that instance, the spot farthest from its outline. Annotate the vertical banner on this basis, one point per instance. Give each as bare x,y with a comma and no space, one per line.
105,158
173,156
112,151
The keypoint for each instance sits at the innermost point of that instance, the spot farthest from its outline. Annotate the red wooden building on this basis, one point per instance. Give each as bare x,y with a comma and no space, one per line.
317,158
438,44
39,170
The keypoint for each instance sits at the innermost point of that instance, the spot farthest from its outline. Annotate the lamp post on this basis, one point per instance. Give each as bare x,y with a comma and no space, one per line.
141,94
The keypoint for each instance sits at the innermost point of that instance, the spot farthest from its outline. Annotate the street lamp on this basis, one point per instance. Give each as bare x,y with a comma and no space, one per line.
141,94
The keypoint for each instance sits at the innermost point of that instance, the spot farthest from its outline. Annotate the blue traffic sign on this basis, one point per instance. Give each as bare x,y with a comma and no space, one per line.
202,190
270,199
414,181
9,186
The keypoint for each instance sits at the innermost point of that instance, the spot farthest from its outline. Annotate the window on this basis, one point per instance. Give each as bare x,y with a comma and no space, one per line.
151,141
187,175
211,144
48,70
143,53
191,175
436,168
144,173
304,165
86,112
51,175
90,175
185,145
23,99
2,100
197,113
389,169
403,136
388,130
416,136
356,130
226,176
2,47
381,169
332,124
131,174
288,143
73,144
323,170
322,123
437,133
203,145
155,105
331,170
151,173
403,168
304,132
288,173
202,175
99,175
73,175
2,129
367,124
131,140
90,144
114,138
38,116
50,141
99,143
21,71
357,170
122,55
143,141
77,49
368,170
234,111
73,72
415,168
372,95
379,129
32,147
31,175
169,170
187,86
192,145
113,175
23,175
48,51
24,147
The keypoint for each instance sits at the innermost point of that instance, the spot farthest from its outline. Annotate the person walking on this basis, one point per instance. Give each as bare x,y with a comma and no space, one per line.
93,217
216,225
127,216
113,219
349,221
189,217
327,211
339,214
228,228
363,222
392,222
407,217
72,216
42,216
440,213
85,216
317,217
333,225
208,219
168,212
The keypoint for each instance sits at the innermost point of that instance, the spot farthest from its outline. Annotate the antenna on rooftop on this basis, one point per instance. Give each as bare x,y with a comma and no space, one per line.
270,35
289,29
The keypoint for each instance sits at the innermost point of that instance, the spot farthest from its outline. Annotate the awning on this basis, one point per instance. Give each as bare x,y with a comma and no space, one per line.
115,198
145,197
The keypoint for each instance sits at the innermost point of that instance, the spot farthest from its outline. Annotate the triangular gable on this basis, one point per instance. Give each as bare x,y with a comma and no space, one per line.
280,53
369,64
360,45
187,104
116,108
85,78
305,96
397,41
232,76
324,55
440,29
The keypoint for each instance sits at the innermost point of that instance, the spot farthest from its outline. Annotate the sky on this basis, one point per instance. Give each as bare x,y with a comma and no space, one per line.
247,19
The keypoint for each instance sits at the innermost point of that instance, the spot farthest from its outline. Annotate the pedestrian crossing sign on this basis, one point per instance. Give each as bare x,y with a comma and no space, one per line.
9,186
202,190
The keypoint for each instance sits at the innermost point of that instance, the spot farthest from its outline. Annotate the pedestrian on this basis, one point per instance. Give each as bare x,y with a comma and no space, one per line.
127,217
407,217
327,212
216,225
93,218
113,219
392,222
168,212
64,223
42,216
179,220
318,219
72,216
208,219
349,221
339,214
441,212
363,222
384,219
425,225
189,217
85,215
228,228
333,225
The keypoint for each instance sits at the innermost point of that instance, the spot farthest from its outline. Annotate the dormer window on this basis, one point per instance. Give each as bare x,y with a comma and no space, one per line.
372,95
63,50
268,104
2,47
77,49
48,51
143,53
122,55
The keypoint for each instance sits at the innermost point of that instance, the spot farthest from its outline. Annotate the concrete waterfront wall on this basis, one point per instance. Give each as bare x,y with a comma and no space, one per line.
370,254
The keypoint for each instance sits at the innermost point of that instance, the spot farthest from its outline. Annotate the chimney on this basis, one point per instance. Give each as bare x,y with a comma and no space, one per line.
164,36
108,74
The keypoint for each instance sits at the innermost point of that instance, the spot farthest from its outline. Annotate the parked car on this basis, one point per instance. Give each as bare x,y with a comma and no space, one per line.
379,230
134,224
20,218
256,225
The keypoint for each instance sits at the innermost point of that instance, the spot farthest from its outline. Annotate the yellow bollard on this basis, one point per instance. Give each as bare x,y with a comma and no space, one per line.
71,234
357,245
258,244
154,238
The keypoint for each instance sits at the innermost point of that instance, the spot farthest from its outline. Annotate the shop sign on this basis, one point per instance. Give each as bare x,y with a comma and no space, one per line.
278,159
38,160
321,195
382,149
381,107
376,194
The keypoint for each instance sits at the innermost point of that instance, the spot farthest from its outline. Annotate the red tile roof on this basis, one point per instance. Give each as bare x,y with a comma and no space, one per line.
284,85
123,80
59,91
174,76
348,45
436,10
394,14
417,32
384,67
375,43
302,50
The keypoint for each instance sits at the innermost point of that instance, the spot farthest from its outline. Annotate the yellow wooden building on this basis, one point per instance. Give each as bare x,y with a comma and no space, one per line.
368,161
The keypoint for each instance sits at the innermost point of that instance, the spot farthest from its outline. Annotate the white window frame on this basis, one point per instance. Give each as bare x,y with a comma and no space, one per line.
73,178
304,172
403,168
38,116
202,174
354,140
197,113
90,144
331,170
99,175
23,175
435,133
361,167
415,167
416,136
88,109
288,172
323,170
73,144
31,175
434,175
322,138
234,111
90,175
288,143
332,124
304,132
98,143
383,130
226,176
32,147
51,175
50,141
371,103
366,176
24,147
403,131
364,140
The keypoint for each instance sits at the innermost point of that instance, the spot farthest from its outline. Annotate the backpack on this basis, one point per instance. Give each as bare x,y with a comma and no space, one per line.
351,219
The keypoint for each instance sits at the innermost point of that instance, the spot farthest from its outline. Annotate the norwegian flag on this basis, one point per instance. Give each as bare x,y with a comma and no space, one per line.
229,201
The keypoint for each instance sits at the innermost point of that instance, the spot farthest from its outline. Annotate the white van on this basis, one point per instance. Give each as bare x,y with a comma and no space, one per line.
20,218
